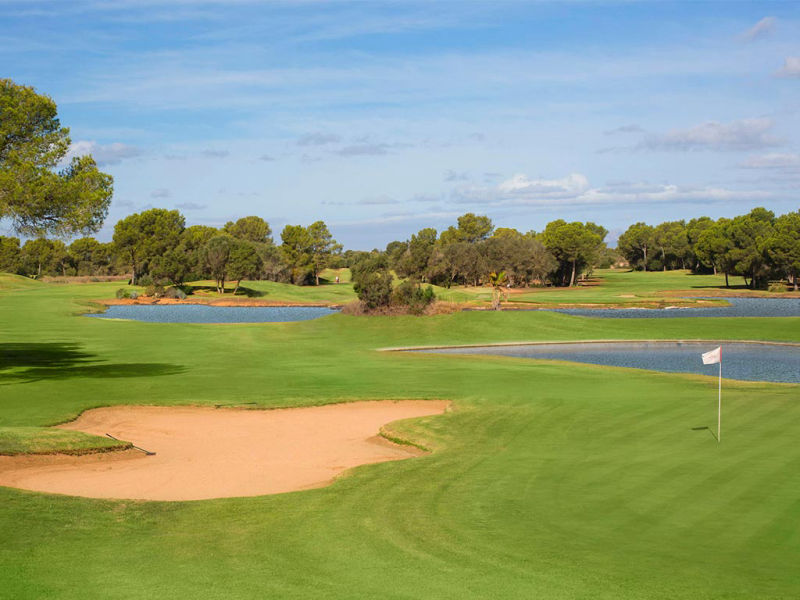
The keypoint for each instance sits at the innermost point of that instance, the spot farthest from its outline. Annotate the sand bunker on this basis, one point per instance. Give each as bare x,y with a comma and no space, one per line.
216,453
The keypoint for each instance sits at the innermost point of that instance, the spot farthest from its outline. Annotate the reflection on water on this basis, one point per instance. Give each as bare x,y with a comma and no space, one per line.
197,313
753,362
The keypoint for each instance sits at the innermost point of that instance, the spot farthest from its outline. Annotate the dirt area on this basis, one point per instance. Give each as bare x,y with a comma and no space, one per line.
203,452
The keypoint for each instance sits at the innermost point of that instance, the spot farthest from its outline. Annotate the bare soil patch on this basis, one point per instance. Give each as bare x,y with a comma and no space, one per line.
204,452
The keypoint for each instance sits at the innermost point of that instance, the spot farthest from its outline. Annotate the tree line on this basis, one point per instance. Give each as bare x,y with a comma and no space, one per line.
156,247
757,246
469,252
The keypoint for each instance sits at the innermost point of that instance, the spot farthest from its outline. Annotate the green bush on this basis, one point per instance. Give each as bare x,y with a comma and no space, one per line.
154,290
175,293
123,293
777,286
412,295
374,289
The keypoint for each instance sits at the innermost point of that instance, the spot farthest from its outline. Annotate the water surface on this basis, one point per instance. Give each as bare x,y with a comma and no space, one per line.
740,307
199,313
752,362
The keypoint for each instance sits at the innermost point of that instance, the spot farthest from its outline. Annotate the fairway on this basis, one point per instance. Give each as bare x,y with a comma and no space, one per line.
545,479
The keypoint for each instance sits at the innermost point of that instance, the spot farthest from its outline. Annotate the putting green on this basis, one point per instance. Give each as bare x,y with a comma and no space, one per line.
547,479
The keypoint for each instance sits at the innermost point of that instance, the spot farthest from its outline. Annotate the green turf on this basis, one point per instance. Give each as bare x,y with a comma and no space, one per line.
547,480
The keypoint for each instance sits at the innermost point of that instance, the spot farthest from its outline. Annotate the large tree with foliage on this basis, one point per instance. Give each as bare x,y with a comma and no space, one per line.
782,248
9,254
40,256
713,248
672,242
141,237
635,243
523,258
575,246
252,229
35,194
244,262
296,251
216,256
413,262
748,234
322,247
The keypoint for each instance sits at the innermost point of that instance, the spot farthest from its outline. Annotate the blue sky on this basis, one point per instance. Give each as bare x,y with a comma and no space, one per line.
385,117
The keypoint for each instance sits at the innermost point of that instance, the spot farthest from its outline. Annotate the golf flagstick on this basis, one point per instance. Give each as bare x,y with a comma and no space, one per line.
710,358
719,405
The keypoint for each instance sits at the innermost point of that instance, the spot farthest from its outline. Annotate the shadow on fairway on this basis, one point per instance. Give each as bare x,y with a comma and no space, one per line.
705,428
26,363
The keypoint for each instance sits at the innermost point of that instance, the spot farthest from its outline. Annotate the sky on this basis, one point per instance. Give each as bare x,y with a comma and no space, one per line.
382,118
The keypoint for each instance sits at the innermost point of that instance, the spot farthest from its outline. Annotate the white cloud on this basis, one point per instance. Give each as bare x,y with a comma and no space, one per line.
103,154
569,186
318,139
451,175
191,206
745,134
377,201
574,190
364,150
761,29
773,160
215,153
632,128
791,68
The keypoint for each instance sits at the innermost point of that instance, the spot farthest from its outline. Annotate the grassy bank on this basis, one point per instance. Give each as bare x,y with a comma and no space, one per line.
547,479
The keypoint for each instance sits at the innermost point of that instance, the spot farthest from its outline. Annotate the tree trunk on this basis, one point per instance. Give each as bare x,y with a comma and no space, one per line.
663,259
39,270
236,289
726,279
572,278
715,270
316,277
645,258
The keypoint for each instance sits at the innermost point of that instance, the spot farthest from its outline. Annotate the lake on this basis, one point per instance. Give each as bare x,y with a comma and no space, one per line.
740,307
200,313
751,362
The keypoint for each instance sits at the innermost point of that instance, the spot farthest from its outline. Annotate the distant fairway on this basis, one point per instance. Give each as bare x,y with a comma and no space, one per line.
548,480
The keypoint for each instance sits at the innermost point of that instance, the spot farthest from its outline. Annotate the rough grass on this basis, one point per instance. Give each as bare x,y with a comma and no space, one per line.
547,479
39,440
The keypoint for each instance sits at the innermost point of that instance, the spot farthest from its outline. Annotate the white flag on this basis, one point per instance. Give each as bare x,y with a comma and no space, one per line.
713,357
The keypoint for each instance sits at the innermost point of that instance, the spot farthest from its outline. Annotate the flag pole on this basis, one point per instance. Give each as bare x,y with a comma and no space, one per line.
719,407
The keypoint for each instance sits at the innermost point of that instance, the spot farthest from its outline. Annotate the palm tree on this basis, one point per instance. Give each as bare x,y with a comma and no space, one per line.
497,280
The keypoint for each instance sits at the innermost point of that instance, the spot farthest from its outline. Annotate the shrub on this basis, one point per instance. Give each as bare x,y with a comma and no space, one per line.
175,293
410,294
374,289
123,293
777,286
154,291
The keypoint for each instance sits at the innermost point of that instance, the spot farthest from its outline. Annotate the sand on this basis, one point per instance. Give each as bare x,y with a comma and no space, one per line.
206,453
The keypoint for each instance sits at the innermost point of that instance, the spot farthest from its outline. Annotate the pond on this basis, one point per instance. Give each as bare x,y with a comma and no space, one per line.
199,313
740,307
751,361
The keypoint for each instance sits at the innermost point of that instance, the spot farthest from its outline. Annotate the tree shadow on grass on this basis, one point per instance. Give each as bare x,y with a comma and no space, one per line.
27,363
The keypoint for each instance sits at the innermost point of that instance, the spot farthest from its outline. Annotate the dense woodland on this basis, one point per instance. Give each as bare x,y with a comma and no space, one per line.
156,247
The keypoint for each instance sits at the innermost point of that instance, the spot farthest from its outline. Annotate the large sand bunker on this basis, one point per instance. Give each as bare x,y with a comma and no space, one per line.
215,453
